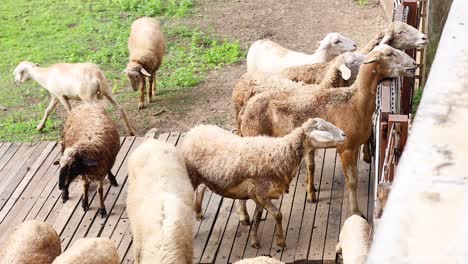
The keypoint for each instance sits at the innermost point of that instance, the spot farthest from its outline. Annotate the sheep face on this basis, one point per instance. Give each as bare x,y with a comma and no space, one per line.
322,134
403,36
136,75
391,62
337,44
71,165
21,72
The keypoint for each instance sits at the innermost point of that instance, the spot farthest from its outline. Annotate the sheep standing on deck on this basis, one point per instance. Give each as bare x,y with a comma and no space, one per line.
354,242
257,168
65,81
98,250
269,57
32,242
160,204
90,144
147,47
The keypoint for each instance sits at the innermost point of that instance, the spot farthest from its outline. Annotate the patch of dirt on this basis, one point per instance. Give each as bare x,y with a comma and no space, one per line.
295,24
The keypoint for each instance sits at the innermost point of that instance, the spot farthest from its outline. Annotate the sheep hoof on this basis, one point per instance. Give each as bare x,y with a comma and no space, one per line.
245,221
255,244
102,212
200,217
367,159
84,205
141,106
312,199
40,127
113,182
64,197
281,243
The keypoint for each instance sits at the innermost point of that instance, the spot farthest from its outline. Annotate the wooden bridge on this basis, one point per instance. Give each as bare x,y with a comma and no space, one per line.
28,190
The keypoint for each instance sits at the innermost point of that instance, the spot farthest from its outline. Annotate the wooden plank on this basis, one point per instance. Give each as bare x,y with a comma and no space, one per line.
334,216
15,164
205,202
218,231
363,185
125,243
229,236
129,258
20,170
295,220
371,198
11,197
110,193
163,137
206,227
10,152
4,147
181,139
250,251
119,232
320,224
308,219
173,138
242,235
267,239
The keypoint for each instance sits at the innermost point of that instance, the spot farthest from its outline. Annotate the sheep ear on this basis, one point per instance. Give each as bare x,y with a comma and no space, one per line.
387,37
144,72
88,162
374,58
321,136
345,72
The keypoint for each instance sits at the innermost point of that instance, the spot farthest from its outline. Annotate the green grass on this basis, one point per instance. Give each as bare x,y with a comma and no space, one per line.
362,2
51,31
417,95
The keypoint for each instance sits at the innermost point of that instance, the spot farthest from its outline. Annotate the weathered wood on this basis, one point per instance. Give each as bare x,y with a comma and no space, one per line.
9,153
4,147
206,227
229,236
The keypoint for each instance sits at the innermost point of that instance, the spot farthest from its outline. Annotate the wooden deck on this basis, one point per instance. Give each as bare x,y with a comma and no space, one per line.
28,190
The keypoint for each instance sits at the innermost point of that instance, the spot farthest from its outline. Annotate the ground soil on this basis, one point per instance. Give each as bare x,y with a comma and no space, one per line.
295,24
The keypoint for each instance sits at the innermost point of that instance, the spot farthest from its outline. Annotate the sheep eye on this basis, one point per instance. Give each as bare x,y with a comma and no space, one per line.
337,41
401,32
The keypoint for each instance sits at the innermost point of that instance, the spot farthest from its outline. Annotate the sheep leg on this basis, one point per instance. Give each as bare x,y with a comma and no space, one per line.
102,210
310,161
242,212
200,193
154,83
150,89
112,179
366,150
53,103
276,213
349,161
65,103
65,195
256,221
122,114
141,104
85,201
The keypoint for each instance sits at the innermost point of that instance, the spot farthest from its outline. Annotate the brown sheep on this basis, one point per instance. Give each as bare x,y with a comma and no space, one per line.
147,47
90,144
32,242
277,113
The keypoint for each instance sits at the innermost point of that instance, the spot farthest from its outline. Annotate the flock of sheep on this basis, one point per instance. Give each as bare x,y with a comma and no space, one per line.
281,105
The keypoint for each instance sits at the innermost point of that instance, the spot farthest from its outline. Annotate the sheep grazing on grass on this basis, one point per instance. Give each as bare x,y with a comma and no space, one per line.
90,251
32,242
70,81
257,168
354,242
269,57
90,143
259,260
160,204
277,113
147,47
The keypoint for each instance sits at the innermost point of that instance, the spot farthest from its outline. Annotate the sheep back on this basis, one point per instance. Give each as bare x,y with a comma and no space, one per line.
160,204
90,251
354,240
308,74
259,260
31,242
94,135
146,43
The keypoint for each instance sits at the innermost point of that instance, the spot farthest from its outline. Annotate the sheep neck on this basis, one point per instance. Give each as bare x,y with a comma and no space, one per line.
366,84
321,55
296,141
40,75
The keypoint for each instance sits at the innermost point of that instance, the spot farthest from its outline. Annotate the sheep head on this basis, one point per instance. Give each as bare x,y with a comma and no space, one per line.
403,36
136,75
322,134
336,44
391,62
21,72
72,164
348,64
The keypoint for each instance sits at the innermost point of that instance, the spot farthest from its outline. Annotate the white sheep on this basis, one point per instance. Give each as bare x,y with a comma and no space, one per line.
259,260
270,57
90,251
160,204
69,81
32,242
354,242
147,47
258,168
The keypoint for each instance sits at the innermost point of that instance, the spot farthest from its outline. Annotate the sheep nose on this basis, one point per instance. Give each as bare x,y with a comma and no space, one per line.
354,45
343,134
424,38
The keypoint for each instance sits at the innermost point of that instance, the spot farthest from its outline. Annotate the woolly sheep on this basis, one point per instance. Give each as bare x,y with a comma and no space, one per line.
160,204
354,242
259,260
269,57
147,47
277,113
32,242
90,144
90,251
258,168
69,81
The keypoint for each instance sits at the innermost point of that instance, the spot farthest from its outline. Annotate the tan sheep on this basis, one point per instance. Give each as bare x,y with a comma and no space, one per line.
160,204
354,242
70,81
32,242
90,144
277,113
97,250
147,47
259,260
257,168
